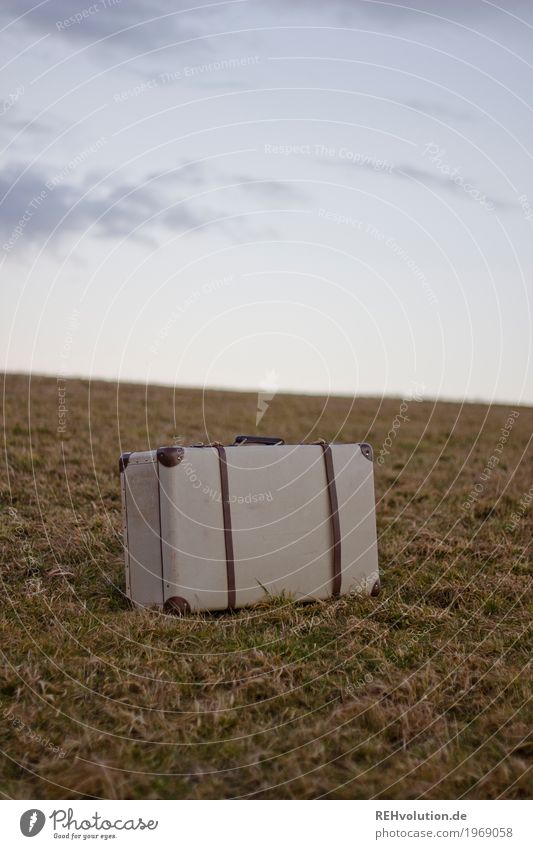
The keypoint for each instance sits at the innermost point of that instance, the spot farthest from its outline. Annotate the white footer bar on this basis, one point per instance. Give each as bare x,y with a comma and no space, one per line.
268,824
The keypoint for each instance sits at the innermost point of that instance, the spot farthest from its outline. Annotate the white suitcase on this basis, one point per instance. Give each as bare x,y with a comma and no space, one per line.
208,527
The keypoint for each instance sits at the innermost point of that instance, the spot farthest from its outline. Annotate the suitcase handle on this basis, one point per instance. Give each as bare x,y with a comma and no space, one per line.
258,440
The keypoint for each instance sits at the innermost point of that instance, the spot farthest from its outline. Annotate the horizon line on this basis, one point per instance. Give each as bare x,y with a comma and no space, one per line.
445,399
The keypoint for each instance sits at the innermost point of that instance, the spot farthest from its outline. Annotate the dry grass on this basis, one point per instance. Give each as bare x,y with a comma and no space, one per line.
422,692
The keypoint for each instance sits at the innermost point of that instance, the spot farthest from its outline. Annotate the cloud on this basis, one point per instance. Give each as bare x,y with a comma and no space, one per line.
192,173
273,189
135,24
34,203
207,175
456,186
439,110
456,183
29,127
392,11
120,23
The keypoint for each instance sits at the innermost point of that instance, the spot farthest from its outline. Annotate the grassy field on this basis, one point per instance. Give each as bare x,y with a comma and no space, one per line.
420,693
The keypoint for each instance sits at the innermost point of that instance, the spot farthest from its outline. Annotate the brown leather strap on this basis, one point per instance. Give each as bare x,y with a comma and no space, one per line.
335,523
226,516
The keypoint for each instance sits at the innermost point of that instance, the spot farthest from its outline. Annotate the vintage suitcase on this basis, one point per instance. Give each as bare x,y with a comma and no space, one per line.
209,527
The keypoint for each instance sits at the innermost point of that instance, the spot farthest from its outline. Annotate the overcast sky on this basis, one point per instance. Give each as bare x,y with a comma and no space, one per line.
320,197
